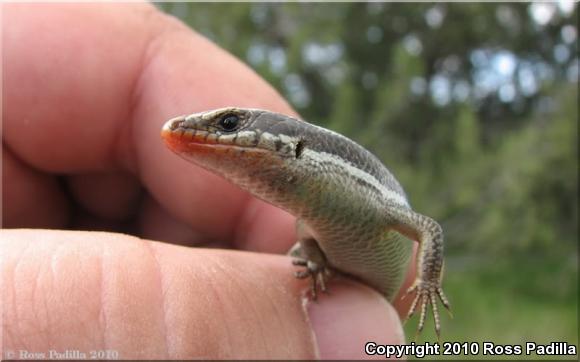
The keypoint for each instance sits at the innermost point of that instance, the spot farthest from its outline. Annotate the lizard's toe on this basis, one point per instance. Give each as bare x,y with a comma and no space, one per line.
427,293
319,274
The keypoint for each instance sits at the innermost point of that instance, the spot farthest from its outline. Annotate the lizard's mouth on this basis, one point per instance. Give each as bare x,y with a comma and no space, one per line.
177,135
190,134
181,137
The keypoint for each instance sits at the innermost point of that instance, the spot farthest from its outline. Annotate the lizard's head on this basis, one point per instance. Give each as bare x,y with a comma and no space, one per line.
233,141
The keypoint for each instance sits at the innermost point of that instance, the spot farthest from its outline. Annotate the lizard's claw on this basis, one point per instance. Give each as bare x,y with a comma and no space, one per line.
427,293
319,274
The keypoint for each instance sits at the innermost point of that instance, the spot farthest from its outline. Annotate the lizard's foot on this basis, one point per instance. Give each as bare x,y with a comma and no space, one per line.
427,293
318,273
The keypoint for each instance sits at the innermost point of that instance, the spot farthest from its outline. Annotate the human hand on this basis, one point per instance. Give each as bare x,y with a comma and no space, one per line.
86,90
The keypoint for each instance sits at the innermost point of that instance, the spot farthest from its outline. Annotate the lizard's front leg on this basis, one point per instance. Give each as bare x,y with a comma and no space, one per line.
308,254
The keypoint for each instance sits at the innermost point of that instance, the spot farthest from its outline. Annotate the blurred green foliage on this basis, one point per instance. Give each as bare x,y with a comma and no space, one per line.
472,106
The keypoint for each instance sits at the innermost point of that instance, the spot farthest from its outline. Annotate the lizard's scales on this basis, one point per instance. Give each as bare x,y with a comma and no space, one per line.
351,209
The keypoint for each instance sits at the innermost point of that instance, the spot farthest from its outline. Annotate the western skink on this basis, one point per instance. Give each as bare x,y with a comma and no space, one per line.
352,214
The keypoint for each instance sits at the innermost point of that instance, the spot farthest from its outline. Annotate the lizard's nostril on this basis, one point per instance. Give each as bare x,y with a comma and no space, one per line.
173,123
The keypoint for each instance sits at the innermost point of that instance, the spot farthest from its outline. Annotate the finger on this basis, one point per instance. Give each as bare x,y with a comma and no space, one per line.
99,108
111,196
22,187
101,291
372,319
208,78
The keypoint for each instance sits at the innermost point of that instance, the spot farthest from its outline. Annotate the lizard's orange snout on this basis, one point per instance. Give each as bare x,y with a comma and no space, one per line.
172,133
181,135
171,125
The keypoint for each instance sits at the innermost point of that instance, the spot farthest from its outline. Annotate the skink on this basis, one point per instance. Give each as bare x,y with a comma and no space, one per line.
352,214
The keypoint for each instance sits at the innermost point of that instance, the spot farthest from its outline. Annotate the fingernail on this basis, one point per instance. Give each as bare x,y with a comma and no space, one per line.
348,317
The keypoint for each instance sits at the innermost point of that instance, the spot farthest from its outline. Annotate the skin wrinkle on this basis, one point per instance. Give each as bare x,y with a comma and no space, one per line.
13,336
50,326
101,319
37,302
103,315
240,283
218,301
161,283
228,271
305,299
205,324
247,301
269,351
18,319
133,243
43,332
244,223
279,312
281,321
58,255
272,302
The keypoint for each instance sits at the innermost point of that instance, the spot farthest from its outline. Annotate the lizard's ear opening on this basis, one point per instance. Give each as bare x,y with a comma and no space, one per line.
299,148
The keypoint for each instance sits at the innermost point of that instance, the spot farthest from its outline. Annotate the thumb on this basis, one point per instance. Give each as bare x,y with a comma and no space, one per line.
87,291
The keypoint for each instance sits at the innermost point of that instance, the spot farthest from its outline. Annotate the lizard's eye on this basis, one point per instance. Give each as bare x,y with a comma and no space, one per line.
229,122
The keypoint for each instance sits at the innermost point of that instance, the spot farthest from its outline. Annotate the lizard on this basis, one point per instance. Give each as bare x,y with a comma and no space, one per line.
353,216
